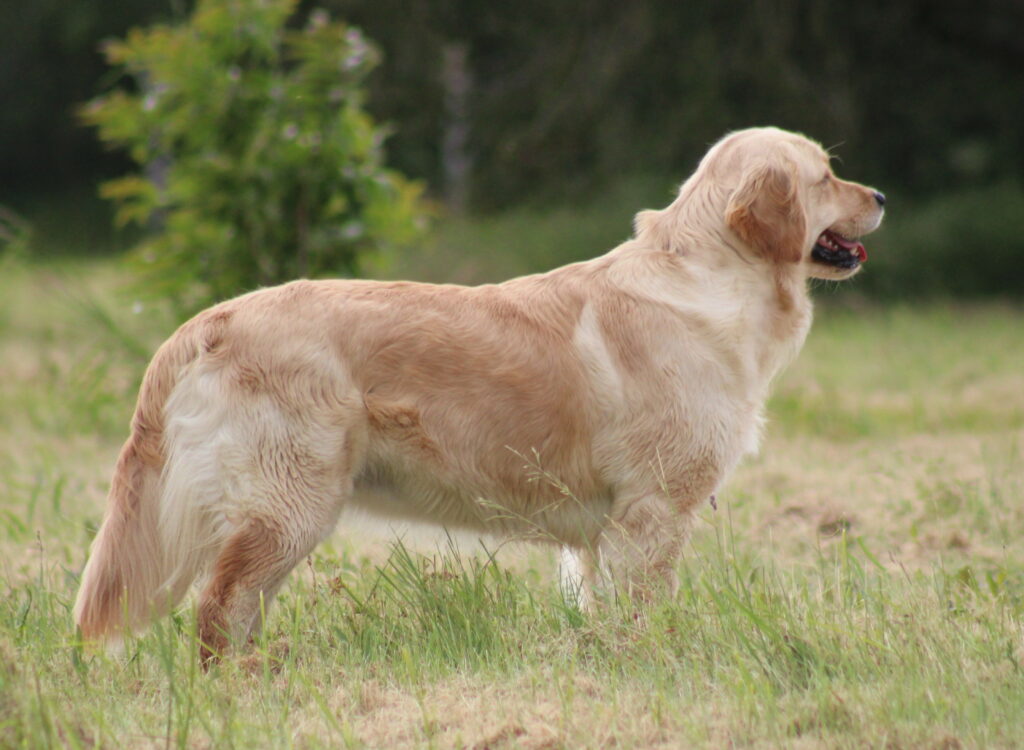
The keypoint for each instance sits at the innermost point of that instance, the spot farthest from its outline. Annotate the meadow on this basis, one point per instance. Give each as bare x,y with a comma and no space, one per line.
861,583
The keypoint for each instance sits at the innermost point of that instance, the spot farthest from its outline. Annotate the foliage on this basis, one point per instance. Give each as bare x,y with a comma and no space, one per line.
51,60
257,161
563,95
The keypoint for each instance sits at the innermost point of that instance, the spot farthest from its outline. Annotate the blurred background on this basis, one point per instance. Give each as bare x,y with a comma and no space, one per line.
537,129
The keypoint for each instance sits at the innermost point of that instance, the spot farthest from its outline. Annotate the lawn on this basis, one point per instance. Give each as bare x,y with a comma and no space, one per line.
860,584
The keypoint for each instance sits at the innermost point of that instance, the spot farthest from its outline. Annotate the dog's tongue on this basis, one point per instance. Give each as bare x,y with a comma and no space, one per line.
852,246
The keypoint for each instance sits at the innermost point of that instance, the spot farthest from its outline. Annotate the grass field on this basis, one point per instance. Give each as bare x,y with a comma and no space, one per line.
860,585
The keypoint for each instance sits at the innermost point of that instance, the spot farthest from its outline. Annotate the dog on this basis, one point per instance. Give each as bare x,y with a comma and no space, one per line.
595,406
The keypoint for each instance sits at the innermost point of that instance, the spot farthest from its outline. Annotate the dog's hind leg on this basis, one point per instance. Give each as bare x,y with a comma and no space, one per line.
295,492
246,575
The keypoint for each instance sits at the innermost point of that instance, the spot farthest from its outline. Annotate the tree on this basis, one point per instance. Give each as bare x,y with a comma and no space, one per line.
257,162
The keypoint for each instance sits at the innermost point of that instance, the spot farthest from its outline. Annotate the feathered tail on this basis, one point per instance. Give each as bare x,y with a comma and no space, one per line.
124,584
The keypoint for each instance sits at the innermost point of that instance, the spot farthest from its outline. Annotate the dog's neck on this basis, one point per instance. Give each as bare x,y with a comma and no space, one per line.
766,303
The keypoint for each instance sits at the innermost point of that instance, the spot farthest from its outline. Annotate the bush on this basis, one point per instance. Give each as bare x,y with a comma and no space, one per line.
257,163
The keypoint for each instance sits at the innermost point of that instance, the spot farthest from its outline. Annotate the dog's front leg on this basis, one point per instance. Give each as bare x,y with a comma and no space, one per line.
580,576
641,544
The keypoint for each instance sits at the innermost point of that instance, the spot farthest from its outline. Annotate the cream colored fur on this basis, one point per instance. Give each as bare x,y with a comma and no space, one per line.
594,406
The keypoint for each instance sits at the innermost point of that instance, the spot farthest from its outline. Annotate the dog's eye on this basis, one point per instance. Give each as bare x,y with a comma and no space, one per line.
825,179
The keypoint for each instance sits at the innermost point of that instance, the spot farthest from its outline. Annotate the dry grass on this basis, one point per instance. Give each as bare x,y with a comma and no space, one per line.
860,584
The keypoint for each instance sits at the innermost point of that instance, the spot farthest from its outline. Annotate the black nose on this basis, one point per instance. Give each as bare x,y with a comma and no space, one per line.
880,197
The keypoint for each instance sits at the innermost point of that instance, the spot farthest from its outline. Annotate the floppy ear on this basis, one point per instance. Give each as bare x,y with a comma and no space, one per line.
765,211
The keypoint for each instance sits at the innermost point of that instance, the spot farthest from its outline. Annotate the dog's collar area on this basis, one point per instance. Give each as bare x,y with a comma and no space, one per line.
833,249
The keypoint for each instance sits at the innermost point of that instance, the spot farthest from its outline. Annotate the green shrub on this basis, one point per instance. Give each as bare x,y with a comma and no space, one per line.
257,162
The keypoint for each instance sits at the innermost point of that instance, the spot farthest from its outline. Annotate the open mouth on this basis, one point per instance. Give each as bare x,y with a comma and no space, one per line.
833,249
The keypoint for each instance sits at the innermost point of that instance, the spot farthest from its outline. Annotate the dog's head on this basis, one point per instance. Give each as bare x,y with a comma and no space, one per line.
770,196
786,205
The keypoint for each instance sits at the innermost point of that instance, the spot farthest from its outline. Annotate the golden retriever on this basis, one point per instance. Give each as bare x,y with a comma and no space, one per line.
633,383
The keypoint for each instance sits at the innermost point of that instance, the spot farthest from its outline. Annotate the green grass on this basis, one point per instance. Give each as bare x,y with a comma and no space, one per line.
860,585
959,373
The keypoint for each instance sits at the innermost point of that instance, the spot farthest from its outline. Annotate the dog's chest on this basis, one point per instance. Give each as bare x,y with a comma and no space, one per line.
677,405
